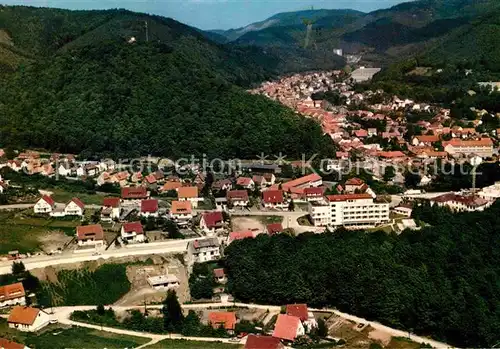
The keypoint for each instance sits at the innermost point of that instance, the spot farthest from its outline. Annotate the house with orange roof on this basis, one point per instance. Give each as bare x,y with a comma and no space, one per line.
170,185
311,180
288,328
12,294
44,205
245,182
482,147
240,235
90,235
7,344
28,319
75,207
302,312
181,211
224,319
189,194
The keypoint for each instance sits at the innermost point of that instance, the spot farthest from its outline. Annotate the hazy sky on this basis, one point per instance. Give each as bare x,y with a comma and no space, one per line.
211,14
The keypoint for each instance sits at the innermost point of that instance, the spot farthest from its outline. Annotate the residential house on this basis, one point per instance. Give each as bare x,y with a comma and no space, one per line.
210,222
263,342
274,199
245,182
74,208
220,275
170,185
240,235
137,177
223,184
274,228
269,177
354,184
149,208
134,193
91,170
224,319
204,250
7,344
90,235
189,194
12,294
133,232
372,132
238,198
64,170
150,180
360,133
14,165
259,180
181,212
288,328
424,140
110,209
28,319
305,316
44,205
163,282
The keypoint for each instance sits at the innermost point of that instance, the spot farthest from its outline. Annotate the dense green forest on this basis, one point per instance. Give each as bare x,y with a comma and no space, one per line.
91,91
443,280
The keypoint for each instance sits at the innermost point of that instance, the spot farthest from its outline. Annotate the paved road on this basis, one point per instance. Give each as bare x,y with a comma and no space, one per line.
16,206
133,250
62,314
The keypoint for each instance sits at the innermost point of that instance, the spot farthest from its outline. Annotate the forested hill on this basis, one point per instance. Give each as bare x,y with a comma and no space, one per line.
81,86
442,281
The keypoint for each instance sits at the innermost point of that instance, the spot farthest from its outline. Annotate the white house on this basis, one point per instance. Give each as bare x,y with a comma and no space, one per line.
132,232
288,328
212,221
149,208
28,319
238,198
90,235
74,208
44,205
110,209
64,170
12,295
163,282
189,194
181,212
204,250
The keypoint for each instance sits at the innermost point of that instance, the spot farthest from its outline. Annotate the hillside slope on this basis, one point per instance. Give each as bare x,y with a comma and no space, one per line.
174,95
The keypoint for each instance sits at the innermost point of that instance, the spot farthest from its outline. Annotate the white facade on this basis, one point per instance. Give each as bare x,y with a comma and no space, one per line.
110,213
193,201
42,206
205,250
21,300
466,149
41,320
356,211
72,209
63,171
163,282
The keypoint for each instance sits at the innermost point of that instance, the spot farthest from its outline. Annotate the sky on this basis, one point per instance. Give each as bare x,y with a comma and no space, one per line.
211,14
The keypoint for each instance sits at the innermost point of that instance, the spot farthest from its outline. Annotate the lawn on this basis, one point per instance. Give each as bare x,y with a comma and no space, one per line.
184,344
62,196
22,230
78,337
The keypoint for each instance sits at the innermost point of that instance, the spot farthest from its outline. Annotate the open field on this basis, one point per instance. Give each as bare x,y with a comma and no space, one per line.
20,230
60,195
247,223
184,344
78,337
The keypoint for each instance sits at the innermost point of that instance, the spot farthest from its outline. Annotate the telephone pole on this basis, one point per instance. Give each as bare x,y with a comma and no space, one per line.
147,30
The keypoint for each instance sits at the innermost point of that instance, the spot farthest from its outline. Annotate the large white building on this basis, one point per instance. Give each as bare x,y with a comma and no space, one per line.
482,147
350,210
461,203
204,250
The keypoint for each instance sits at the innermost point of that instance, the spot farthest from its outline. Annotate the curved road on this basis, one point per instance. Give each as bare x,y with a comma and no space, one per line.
62,314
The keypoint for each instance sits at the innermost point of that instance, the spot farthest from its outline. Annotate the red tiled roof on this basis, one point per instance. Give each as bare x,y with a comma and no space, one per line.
318,191
298,310
226,319
150,205
48,200
12,291
133,227
78,202
427,138
361,133
181,207
171,185
134,193
90,231
219,273
212,219
23,315
111,202
187,192
286,327
354,181
391,154
237,195
244,181
313,177
6,344
262,342
240,235
345,197
483,142
272,196
274,228
151,178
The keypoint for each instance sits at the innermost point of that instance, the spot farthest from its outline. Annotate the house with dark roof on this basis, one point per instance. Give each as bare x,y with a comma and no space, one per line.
204,250
28,319
238,198
132,232
211,222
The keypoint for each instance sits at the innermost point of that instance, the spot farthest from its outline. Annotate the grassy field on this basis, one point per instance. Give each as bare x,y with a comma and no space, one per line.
22,231
62,196
184,344
78,337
